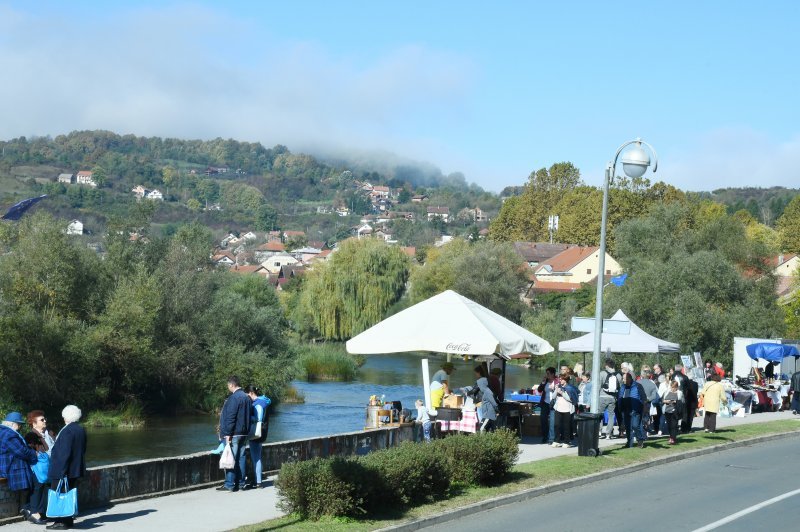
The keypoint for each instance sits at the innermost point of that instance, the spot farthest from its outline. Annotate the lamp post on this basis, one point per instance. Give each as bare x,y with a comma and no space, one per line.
634,164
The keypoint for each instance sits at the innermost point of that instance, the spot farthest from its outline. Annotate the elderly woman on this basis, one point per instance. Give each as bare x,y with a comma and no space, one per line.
714,396
67,457
483,396
38,424
16,458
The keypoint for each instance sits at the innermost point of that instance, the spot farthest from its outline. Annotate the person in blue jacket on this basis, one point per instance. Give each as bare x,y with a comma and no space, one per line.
16,458
258,415
632,401
234,428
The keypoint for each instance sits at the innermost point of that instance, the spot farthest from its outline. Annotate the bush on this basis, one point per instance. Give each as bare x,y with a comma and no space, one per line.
483,458
411,473
318,487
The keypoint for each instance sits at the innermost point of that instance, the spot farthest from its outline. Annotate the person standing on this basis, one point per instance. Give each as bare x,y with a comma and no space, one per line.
546,389
794,389
68,458
609,383
37,504
631,404
16,458
585,392
713,395
564,405
440,384
683,385
651,394
38,424
258,416
673,403
234,429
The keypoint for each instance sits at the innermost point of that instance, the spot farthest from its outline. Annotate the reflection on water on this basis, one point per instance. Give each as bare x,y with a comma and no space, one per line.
330,408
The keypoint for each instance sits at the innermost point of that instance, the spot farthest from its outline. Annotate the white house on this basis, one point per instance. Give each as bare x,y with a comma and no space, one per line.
575,265
155,195
274,263
139,191
364,231
249,236
65,178
440,212
75,227
85,177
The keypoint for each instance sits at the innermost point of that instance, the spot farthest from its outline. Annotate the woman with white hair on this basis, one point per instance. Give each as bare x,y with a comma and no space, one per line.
67,458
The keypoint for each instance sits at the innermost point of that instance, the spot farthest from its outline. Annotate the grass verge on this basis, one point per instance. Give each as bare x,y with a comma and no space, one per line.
128,415
537,474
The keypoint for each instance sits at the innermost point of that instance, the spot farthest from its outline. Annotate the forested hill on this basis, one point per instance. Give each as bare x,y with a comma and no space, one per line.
224,184
765,204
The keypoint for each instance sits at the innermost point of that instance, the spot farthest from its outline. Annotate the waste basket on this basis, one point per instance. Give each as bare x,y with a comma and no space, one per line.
589,434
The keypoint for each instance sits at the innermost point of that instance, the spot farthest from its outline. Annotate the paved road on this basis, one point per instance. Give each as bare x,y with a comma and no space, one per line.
687,495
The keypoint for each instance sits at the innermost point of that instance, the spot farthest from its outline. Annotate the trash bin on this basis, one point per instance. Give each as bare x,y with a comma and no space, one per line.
589,434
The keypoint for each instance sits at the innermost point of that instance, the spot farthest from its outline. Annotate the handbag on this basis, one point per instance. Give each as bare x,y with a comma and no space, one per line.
226,459
256,430
724,411
62,503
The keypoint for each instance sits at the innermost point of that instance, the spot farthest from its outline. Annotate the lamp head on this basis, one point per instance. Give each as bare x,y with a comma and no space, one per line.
635,161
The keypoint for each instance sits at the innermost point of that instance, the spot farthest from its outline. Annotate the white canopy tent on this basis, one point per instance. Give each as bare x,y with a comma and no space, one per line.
637,341
448,323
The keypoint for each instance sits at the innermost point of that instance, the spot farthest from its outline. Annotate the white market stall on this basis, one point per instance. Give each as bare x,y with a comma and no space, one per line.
637,341
448,323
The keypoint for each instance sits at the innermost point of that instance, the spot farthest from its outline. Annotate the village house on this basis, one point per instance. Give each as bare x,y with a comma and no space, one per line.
380,191
419,198
155,195
85,177
274,263
139,191
534,253
249,236
274,236
479,215
342,211
250,270
267,250
229,240
293,234
223,258
67,179
439,212
286,274
305,254
401,214
364,231
75,227
784,267
571,268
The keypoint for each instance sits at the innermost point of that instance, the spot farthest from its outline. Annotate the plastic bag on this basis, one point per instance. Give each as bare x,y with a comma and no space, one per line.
226,460
724,411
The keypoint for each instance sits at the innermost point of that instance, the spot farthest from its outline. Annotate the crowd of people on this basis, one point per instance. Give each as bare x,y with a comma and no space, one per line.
37,462
651,403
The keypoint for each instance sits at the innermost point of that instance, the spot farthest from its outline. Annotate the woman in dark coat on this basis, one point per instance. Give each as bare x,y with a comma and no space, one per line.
67,457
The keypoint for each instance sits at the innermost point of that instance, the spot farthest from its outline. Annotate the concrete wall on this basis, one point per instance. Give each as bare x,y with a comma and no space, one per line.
114,483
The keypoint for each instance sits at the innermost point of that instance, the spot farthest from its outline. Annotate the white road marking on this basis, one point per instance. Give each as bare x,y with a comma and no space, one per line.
751,509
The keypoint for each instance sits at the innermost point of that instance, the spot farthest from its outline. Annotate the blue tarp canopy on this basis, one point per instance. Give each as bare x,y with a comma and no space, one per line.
771,352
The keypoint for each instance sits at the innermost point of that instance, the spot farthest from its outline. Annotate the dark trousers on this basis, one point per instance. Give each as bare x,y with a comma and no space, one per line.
73,482
672,424
710,421
618,418
37,504
544,418
657,417
563,427
688,417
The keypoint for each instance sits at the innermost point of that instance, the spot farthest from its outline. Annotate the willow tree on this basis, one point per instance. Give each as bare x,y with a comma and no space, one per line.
354,289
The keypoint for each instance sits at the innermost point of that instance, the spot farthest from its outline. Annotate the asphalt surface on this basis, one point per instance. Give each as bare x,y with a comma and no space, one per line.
687,495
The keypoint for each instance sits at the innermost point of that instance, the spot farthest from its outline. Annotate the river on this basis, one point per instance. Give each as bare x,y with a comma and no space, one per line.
330,408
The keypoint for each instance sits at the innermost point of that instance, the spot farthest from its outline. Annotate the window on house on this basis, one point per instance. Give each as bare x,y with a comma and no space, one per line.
608,272
588,271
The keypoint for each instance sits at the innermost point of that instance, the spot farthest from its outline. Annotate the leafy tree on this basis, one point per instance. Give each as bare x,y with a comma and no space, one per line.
404,196
99,175
266,218
193,205
353,290
788,226
489,273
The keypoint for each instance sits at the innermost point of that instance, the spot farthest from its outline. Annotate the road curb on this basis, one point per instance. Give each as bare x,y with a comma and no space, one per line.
531,493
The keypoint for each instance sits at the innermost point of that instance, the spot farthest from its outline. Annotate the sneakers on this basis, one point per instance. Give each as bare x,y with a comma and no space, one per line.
555,444
641,445
564,445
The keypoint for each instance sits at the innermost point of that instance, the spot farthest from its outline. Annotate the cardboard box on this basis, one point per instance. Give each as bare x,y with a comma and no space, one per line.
453,401
532,426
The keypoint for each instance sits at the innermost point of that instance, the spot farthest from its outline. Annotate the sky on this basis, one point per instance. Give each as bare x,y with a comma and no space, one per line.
493,90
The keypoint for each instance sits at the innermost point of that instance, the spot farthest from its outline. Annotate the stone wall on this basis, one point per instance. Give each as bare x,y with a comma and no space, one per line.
146,478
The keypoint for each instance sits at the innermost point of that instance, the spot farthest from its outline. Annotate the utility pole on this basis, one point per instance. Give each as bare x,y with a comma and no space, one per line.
552,225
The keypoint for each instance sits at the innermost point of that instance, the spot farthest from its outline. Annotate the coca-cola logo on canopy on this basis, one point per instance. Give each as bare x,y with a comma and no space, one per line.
454,347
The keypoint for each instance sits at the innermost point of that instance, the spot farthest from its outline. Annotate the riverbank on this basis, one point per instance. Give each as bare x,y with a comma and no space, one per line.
207,509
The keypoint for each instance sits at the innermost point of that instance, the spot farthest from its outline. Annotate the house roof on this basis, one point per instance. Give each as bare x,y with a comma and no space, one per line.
219,256
411,251
84,173
552,286
380,188
538,251
249,269
65,175
316,244
271,246
783,286
294,233
779,260
483,232
567,259
438,210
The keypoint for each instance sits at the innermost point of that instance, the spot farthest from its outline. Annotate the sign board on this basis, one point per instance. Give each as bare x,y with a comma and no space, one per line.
687,361
609,326
698,360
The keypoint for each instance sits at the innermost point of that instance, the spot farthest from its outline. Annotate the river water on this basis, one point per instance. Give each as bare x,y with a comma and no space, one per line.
330,408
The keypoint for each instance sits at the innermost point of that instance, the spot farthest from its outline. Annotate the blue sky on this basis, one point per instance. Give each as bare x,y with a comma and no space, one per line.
494,91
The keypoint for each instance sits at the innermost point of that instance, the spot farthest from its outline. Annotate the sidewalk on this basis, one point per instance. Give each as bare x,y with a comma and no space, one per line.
210,510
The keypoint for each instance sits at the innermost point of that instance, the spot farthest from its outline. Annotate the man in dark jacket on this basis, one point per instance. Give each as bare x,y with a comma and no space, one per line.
683,385
234,428
632,401
67,458
794,388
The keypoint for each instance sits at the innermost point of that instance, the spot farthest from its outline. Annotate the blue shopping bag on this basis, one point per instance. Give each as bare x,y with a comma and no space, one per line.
62,502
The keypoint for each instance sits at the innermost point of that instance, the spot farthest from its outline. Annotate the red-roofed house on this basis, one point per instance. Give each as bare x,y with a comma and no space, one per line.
257,270
785,267
575,265
224,258
85,177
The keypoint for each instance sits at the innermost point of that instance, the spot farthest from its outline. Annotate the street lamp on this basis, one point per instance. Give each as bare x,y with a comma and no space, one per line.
634,164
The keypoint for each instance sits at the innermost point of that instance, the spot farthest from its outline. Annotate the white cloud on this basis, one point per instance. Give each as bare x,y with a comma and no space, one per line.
194,72
734,157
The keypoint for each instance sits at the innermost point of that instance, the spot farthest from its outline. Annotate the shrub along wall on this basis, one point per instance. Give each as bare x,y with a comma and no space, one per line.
398,477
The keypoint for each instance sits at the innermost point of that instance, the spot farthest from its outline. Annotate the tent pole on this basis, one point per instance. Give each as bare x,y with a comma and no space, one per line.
426,384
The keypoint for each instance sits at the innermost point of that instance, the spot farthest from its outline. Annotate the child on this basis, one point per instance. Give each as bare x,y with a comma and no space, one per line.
424,419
